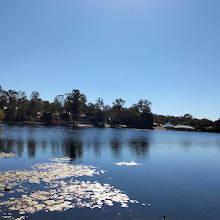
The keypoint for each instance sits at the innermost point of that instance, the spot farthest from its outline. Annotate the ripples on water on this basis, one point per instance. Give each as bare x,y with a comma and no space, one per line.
178,177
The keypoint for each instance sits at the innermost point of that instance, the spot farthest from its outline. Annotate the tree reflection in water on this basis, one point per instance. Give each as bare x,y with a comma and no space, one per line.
6,145
20,147
73,149
97,150
116,147
31,145
140,147
72,144
12,146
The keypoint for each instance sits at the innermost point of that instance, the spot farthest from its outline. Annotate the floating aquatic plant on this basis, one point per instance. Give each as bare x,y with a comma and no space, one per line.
58,189
6,155
132,163
61,159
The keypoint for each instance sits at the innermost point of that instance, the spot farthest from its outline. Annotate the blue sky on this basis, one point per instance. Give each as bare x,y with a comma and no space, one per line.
166,51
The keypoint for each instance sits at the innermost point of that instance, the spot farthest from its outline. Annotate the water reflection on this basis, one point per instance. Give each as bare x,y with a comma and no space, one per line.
140,147
20,147
12,146
6,145
116,147
31,145
44,146
97,150
55,147
73,149
186,144
63,141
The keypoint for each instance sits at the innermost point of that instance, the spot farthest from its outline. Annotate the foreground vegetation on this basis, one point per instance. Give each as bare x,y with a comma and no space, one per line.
73,108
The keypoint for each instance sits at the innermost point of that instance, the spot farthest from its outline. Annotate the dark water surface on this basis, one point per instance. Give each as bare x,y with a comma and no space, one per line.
179,176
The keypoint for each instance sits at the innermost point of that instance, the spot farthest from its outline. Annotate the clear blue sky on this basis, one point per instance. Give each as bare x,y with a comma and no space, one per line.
166,51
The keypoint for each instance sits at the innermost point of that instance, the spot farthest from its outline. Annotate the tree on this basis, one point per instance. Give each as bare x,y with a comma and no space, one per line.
117,112
58,103
100,104
75,103
10,109
132,117
217,125
188,117
143,117
3,99
118,103
95,113
22,104
146,120
35,104
1,115
143,106
58,108
47,107
47,118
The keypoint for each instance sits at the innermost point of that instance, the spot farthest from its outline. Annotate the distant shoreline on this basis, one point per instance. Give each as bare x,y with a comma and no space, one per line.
52,124
87,125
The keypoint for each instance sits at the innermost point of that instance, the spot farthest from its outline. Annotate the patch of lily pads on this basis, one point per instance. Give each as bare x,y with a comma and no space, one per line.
61,159
6,155
132,163
57,189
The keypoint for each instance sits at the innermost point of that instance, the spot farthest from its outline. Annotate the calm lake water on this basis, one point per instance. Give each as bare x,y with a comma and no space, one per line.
179,175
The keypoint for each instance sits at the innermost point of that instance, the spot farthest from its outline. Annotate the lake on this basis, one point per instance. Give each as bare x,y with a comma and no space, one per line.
177,174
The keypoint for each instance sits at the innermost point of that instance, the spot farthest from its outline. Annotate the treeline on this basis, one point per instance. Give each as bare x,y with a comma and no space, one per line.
72,108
